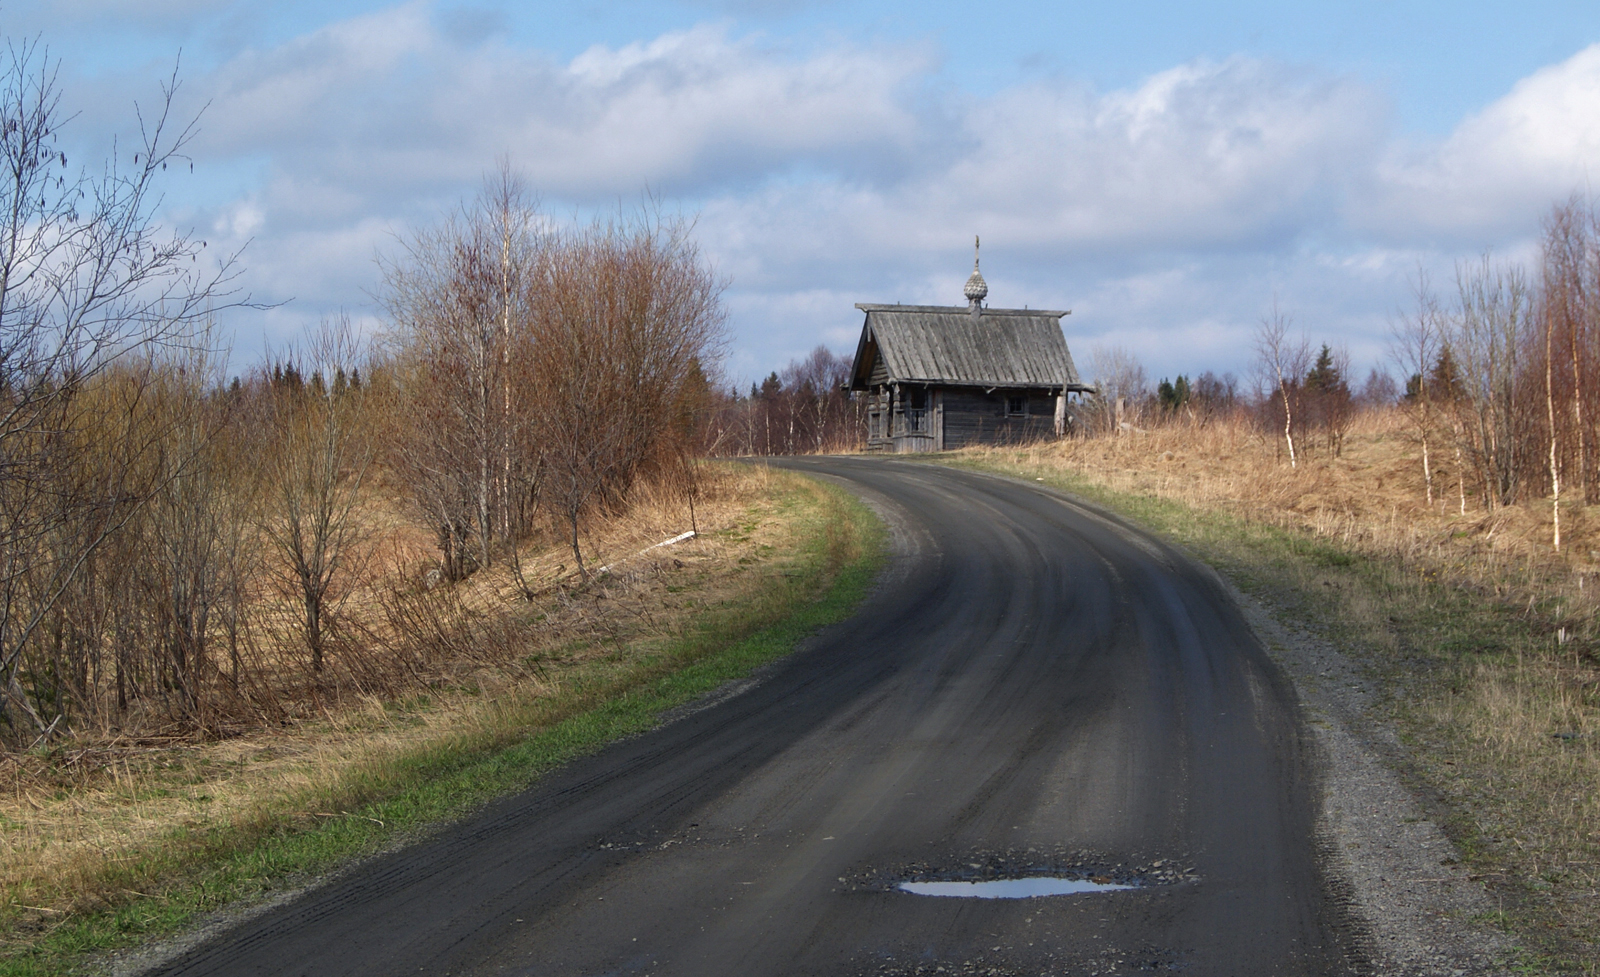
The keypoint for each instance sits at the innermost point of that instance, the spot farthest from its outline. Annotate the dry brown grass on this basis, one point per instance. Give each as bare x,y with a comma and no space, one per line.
65,814
1372,499
1373,494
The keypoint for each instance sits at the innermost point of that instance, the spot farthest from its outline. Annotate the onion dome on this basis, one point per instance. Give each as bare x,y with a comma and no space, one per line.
976,289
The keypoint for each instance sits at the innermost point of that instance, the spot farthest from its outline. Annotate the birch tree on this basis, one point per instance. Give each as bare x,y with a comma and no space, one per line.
1415,342
459,300
1282,360
1486,330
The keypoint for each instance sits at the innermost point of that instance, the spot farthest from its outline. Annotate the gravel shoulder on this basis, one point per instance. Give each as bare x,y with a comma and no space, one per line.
1425,914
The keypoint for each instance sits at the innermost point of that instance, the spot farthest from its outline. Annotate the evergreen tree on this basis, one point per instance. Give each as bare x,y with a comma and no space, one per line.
1324,376
1444,380
1173,394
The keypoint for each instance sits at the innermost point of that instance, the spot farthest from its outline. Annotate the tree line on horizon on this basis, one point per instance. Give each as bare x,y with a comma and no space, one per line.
804,408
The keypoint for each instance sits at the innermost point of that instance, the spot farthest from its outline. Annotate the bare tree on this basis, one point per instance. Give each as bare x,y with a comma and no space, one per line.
1447,391
459,299
1568,298
86,276
1378,391
1281,360
1486,333
1122,385
431,454
627,310
1550,407
1415,343
314,472
819,407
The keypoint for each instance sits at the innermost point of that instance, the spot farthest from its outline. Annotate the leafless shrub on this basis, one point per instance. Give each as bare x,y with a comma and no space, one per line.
431,630
628,311
317,455
87,279
196,535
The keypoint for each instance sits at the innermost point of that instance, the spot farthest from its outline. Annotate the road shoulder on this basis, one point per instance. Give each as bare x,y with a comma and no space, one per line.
1402,874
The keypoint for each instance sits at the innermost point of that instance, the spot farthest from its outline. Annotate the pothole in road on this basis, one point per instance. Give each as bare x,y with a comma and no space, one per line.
1022,874
1013,888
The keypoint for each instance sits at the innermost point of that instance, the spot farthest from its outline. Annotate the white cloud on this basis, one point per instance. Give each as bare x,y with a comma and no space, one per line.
385,120
1233,155
389,101
1500,168
240,221
817,149
385,104
1199,154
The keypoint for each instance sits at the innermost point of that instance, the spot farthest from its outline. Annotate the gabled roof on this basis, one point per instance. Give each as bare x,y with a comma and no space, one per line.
950,345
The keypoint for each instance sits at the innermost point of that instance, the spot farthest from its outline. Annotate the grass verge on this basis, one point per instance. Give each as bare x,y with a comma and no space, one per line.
166,886
1498,706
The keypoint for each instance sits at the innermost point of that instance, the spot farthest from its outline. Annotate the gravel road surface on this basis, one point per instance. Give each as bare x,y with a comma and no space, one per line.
1033,689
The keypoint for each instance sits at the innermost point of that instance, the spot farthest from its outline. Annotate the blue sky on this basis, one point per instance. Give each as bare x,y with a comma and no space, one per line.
1162,169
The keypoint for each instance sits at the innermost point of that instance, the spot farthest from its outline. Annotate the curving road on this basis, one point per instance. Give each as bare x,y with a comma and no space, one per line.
1034,687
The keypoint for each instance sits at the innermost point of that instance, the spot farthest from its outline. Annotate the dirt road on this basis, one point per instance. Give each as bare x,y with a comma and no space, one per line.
1034,689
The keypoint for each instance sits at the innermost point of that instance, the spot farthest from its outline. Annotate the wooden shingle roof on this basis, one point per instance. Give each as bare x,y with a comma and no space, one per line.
949,345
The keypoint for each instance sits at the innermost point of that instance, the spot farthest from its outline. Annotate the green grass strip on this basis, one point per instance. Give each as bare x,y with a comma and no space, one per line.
841,547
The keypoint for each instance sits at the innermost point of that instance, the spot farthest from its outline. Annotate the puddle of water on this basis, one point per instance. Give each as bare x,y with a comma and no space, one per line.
1011,888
